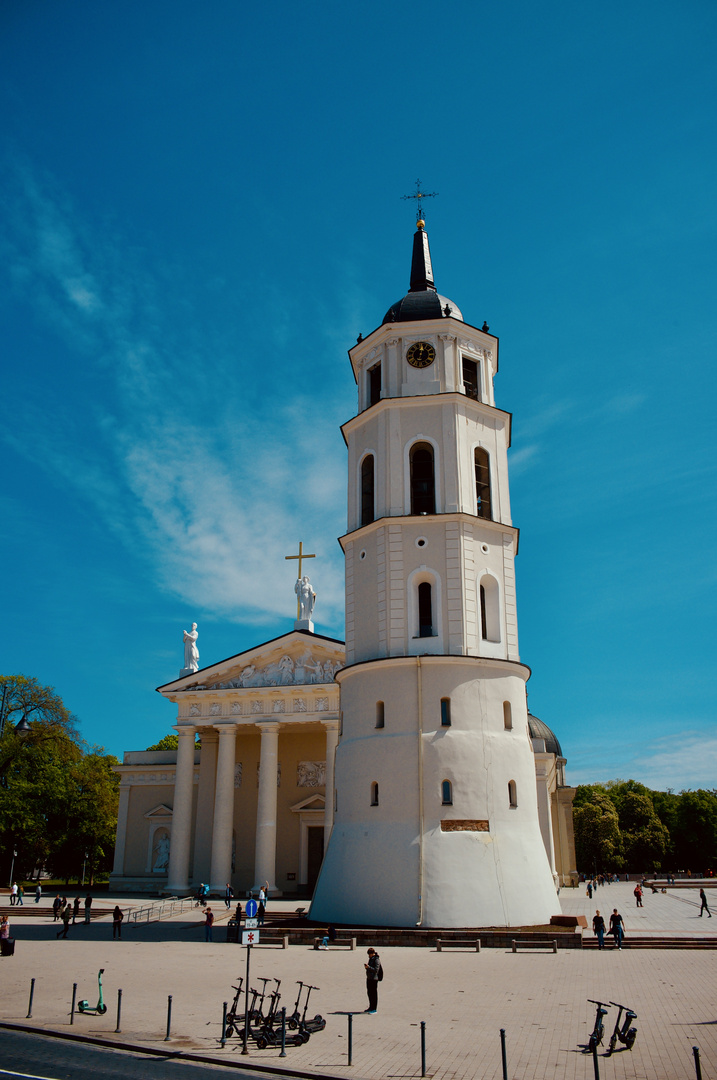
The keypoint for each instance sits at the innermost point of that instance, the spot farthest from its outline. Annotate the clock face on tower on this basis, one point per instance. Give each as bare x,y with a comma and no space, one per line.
421,354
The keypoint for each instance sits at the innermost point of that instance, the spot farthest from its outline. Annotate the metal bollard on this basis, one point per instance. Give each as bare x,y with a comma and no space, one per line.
169,1017
503,1054
74,999
223,1041
596,1067
283,1033
698,1067
118,1029
32,994
351,1038
423,1047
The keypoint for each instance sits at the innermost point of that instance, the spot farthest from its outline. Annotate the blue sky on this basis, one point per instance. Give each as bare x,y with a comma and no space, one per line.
201,211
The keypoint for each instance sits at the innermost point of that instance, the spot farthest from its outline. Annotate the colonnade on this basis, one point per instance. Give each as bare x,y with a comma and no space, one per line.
223,818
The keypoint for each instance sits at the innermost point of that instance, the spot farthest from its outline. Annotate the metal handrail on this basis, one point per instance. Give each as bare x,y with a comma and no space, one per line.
160,909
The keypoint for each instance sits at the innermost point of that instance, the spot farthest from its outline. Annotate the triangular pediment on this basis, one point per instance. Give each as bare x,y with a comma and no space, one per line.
299,658
162,810
314,802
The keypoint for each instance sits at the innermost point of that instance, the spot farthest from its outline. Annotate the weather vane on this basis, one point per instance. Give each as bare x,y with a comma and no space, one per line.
420,195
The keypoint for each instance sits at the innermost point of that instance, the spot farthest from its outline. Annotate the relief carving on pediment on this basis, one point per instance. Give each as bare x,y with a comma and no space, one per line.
304,671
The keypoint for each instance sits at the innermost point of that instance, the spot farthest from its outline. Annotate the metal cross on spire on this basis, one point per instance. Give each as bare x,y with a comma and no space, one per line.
420,195
301,556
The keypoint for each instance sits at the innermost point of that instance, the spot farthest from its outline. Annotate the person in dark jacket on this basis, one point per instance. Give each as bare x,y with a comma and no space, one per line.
704,907
373,975
617,927
599,929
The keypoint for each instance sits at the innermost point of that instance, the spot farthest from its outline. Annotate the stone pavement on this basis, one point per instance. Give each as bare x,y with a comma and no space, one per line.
465,998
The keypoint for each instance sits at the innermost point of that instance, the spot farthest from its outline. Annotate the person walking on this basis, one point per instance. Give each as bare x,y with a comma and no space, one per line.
56,905
117,917
228,896
38,893
75,910
590,890
617,927
704,907
208,924
88,909
599,929
374,975
66,916
20,894
13,894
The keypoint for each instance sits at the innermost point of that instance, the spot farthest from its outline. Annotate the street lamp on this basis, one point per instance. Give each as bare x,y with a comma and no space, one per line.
87,855
12,866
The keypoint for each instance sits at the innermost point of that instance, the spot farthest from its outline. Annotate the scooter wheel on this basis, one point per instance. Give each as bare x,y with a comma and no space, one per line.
630,1038
613,1041
101,1009
262,1043
229,1030
292,1024
305,1036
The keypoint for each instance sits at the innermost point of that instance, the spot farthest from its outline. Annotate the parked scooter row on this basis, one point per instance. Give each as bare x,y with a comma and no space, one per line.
623,1031
265,1027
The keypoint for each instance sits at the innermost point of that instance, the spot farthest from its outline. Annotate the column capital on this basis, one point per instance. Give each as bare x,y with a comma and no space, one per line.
185,729
268,725
225,729
331,725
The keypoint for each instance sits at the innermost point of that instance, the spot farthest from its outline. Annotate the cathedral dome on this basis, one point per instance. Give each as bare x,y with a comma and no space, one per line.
539,730
422,301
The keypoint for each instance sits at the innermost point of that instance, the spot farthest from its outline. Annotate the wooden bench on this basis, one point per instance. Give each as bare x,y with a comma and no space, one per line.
265,939
347,943
456,943
546,943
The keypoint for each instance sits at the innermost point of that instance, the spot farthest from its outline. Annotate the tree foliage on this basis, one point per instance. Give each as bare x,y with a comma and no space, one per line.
58,797
625,824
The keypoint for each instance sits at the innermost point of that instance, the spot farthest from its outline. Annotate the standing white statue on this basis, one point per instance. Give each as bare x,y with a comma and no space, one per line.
191,652
162,849
307,597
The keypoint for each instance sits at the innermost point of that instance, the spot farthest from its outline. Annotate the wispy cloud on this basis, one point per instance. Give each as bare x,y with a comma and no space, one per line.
687,759
167,450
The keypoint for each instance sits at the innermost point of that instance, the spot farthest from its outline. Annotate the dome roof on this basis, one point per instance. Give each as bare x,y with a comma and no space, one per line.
539,730
422,301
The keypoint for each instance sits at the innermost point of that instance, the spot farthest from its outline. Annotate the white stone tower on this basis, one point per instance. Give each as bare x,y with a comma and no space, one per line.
436,819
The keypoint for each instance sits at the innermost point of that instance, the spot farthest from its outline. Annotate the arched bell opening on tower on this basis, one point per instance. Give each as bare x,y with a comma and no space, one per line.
482,469
423,482
425,609
367,490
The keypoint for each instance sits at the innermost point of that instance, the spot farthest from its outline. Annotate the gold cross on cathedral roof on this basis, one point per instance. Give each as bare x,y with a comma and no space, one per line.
301,556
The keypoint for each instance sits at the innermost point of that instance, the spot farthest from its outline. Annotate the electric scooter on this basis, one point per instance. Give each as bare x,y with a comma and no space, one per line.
101,1008
232,1017
309,1027
598,1031
625,1034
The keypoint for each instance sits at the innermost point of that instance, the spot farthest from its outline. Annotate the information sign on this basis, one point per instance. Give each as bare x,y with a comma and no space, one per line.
250,937
251,909
251,923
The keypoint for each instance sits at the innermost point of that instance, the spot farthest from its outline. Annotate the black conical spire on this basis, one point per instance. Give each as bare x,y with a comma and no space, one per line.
422,301
421,269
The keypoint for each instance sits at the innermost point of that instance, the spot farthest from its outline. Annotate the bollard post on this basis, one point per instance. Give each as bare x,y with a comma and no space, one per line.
223,1042
596,1066
245,1048
74,999
503,1054
169,1017
423,1047
32,994
698,1067
351,1038
283,1033
118,1029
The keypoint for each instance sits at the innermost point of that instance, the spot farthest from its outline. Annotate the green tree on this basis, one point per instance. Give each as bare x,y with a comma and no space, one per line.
695,830
169,742
598,842
645,839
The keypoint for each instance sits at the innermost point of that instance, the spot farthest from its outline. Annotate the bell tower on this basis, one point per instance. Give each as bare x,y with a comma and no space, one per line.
436,819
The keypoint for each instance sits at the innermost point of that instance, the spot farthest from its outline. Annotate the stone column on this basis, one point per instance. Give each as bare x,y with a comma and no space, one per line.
204,817
223,809
178,876
122,811
332,741
265,853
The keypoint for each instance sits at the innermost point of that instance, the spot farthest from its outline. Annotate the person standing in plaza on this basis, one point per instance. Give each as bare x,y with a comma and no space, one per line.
38,893
374,974
237,913
75,910
228,896
66,917
703,900
88,909
617,927
260,912
208,924
56,905
599,929
637,891
117,917
13,894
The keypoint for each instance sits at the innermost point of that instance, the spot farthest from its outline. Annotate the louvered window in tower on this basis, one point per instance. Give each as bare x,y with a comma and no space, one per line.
471,379
367,503
423,485
482,466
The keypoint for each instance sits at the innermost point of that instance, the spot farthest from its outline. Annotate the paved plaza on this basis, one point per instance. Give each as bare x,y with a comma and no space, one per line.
540,998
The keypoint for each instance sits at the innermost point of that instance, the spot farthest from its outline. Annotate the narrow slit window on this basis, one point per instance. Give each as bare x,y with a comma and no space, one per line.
507,716
380,714
425,610
482,467
367,490
423,483
447,793
445,712
512,794
374,794
489,601
471,378
374,384
483,615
